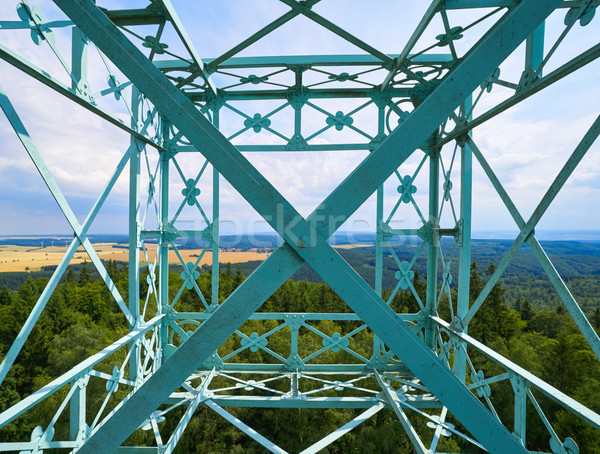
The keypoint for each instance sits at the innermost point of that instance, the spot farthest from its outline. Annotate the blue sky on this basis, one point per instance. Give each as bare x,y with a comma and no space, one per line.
526,146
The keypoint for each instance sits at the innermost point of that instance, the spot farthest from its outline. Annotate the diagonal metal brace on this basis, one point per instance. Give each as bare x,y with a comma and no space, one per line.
394,402
569,301
527,228
79,230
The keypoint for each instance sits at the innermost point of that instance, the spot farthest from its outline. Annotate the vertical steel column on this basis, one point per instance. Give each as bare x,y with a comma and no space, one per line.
379,214
215,226
379,242
79,52
379,236
297,104
134,231
163,246
77,406
433,237
520,412
464,244
534,49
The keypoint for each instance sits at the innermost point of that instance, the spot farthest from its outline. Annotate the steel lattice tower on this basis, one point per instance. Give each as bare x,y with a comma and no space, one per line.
424,104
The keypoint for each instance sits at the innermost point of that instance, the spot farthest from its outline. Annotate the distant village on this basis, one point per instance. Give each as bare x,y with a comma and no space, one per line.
263,250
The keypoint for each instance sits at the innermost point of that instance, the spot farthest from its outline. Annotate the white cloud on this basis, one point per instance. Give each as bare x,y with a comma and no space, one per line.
526,146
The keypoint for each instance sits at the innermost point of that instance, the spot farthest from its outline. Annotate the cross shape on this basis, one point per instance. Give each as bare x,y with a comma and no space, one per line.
306,239
79,231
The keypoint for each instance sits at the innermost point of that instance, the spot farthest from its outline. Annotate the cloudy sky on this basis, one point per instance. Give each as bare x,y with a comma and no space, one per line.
526,145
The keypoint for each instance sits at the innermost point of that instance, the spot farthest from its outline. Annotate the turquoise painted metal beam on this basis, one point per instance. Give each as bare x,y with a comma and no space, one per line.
464,244
396,404
125,17
310,93
419,401
565,295
495,48
79,54
306,11
432,242
307,316
468,4
557,396
134,230
187,42
527,229
282,367
245,428
22,25
465,4
77,414
215,225
79,230
42,76
379,233
164,241
400,59
520,389
534,50
258,35
31,446
585,58
367,146
301,60
346,428
81,369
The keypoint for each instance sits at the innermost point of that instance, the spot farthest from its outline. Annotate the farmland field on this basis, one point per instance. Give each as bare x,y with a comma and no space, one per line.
26,258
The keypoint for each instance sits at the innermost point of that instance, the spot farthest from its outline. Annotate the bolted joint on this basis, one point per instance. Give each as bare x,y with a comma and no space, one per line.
381,98
83,90
429,233
457,324
170,147
169,233
297,97
458,232
294,321
422,91
528,78
385,231
215,102
294,363
519,384
460,140
297,143
430,148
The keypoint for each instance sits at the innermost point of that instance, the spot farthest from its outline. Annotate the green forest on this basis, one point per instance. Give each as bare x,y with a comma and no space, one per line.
82,318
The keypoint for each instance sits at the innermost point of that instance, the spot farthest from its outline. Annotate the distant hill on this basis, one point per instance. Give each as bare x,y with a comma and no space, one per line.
271,239
578,262
36,241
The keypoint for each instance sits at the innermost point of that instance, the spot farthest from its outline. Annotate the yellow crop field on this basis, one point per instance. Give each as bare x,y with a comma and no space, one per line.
26,258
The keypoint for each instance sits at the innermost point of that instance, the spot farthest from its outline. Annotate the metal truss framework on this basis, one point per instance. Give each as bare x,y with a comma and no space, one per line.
420,104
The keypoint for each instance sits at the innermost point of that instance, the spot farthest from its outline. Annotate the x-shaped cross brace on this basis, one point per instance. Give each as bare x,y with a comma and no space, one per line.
79,231
526,235
306,239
